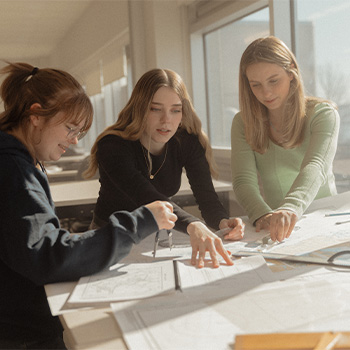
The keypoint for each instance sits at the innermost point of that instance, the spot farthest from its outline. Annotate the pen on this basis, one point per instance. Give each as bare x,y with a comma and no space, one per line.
342,222
337,214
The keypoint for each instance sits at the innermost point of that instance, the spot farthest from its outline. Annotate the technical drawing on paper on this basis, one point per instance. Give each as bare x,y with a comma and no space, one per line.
126,282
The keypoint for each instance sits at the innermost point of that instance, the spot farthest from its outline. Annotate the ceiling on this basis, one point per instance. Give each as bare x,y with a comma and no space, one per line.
32,28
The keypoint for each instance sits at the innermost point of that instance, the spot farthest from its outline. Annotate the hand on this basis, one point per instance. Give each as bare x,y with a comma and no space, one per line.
263,223
202,240
280,224
237,226
163,214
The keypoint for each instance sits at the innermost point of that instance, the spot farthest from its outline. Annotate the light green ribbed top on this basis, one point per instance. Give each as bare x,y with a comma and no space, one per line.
291,178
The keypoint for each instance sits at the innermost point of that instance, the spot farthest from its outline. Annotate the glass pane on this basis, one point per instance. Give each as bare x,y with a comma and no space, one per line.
223,50
107,106
322,49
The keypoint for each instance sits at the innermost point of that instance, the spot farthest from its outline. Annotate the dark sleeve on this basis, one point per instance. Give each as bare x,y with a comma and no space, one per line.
35,246
124,184
199,176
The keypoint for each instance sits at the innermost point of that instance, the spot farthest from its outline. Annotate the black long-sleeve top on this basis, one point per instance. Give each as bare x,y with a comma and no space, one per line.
125,181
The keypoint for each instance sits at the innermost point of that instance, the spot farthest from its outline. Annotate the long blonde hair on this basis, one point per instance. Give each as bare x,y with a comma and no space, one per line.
272,50
131,121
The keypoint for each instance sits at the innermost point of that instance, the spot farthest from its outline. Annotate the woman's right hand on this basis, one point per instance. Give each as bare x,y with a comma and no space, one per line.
202,240
163,214
280,224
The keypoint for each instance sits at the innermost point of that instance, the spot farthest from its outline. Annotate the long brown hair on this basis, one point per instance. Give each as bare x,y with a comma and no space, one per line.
272,50
131,121
53,89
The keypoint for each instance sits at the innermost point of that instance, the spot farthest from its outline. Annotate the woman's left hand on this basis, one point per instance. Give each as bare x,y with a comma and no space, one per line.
202,240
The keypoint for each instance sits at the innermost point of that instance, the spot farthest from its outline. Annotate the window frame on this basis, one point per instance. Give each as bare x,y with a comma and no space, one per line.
210,17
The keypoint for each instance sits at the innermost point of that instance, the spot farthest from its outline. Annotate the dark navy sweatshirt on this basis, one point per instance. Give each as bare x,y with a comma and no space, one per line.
35,250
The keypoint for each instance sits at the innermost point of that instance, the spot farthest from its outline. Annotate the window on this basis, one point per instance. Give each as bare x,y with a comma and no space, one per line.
322,50
107,106
314,29
223,50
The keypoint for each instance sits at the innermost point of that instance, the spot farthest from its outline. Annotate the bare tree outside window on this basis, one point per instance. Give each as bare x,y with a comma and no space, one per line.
335,85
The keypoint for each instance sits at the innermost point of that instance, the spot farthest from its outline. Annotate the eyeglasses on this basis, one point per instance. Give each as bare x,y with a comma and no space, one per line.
75,133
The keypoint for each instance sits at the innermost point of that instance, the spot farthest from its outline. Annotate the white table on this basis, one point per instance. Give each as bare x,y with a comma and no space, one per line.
78,198
68,168
96,328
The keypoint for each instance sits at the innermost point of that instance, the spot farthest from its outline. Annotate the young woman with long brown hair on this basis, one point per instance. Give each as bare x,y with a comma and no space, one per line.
141,157
282,137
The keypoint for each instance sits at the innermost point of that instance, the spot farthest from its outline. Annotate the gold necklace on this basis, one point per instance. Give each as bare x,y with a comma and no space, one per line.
149,165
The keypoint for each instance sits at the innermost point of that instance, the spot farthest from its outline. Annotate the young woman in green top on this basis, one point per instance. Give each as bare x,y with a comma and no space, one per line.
283,143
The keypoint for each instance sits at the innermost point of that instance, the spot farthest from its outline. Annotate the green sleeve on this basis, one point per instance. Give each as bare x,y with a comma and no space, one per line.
244,173
322,129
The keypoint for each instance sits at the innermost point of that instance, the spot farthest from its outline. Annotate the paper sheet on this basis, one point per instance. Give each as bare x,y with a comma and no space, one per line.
126,282
137,281
292,307
194,327
312,232
187,319
210,284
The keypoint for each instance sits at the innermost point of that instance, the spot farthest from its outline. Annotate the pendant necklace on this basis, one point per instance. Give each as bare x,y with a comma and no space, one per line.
148,163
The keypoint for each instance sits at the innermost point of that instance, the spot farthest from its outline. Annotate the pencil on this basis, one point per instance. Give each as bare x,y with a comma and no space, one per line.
337,214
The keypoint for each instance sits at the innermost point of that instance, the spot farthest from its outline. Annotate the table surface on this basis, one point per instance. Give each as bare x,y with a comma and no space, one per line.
78,158
97,328
86,192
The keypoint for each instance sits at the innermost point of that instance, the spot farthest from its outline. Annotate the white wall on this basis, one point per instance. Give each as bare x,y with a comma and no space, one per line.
159,37
100,24
157,32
